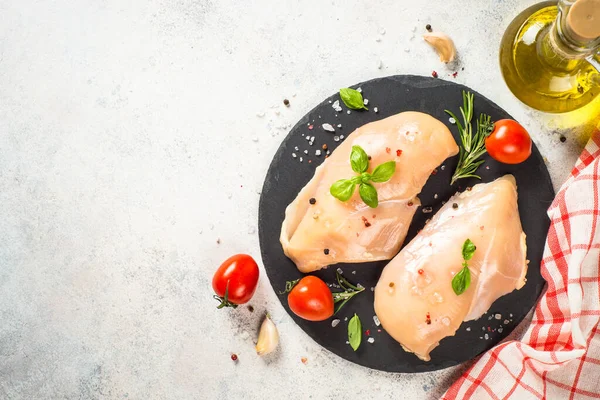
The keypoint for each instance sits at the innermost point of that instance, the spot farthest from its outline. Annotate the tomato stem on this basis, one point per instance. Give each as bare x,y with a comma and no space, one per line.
225,299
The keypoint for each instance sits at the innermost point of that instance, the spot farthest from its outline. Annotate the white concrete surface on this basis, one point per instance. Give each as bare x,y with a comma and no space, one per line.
126,151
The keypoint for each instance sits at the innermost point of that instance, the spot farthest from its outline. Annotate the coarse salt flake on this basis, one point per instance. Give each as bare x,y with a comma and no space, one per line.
376,109
452,120
469,329
486,336
359,90
335,323
498,316
505,322
305,151
328,127
371,340
317,152
336,106
294,155
376,320
336,138
348,112
300,159
366,102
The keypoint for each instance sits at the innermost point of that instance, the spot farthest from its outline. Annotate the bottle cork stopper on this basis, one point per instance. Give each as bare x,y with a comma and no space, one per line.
583,19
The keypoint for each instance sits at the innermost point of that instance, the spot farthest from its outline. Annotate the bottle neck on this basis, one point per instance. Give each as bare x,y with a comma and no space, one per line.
555,51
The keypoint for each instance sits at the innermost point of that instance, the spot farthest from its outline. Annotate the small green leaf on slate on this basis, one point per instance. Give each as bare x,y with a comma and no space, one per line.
368,194
352,99
342,189
384,172
461,281
354,332
468,249
359,159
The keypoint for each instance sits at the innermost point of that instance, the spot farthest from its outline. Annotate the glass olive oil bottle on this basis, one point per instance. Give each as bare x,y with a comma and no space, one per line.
549,55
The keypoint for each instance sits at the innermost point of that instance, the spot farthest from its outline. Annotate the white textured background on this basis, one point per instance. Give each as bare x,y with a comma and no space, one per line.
126,151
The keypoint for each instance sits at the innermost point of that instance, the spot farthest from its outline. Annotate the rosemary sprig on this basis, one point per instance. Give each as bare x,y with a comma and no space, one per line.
473,145
350,290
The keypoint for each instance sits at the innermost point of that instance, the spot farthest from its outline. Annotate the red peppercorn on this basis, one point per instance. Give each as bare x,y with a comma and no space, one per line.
234,357
420,271
310,127
410,203
455,74
434,172
368,332
434,74
388,150
398,152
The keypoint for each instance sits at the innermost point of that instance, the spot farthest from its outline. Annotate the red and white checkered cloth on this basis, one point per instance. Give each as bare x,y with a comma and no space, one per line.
559,356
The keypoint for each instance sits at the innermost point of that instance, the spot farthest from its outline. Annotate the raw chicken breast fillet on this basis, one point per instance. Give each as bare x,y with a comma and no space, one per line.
331,231
489,216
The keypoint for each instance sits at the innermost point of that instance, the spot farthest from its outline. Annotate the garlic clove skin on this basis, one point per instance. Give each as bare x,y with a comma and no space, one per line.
442,44
268,338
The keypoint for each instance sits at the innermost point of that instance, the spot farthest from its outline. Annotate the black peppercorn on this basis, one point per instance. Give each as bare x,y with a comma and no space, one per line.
563,139
312,200
454,205
286,102
428,27
326,251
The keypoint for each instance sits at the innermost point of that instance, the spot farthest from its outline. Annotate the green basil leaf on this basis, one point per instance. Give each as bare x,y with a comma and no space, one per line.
461,281
384,172
356,179
352,99
354,332
368,194
342,189
468,249
359,160
365,177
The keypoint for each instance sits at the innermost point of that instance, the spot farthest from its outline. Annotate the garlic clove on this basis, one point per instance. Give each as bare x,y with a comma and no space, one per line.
268,337
442,44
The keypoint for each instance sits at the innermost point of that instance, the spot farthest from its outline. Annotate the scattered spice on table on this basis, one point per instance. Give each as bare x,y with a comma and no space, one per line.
234,357
455,74
428,27
250,308
286,102
304,360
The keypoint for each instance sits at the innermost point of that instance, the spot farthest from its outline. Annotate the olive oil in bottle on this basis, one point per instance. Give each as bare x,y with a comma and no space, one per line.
549,55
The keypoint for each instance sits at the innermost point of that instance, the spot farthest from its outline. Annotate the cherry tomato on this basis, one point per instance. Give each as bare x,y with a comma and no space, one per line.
311,299
235,281
509,142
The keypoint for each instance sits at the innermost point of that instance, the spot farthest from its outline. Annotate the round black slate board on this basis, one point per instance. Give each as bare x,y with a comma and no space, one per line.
287,175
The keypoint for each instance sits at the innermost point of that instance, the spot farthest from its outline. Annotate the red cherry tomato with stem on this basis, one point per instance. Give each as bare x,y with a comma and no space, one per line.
235,280
509,142
311,299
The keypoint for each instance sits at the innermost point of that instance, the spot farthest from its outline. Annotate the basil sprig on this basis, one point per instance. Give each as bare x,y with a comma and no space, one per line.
462,280
354,332
359,161
352,99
